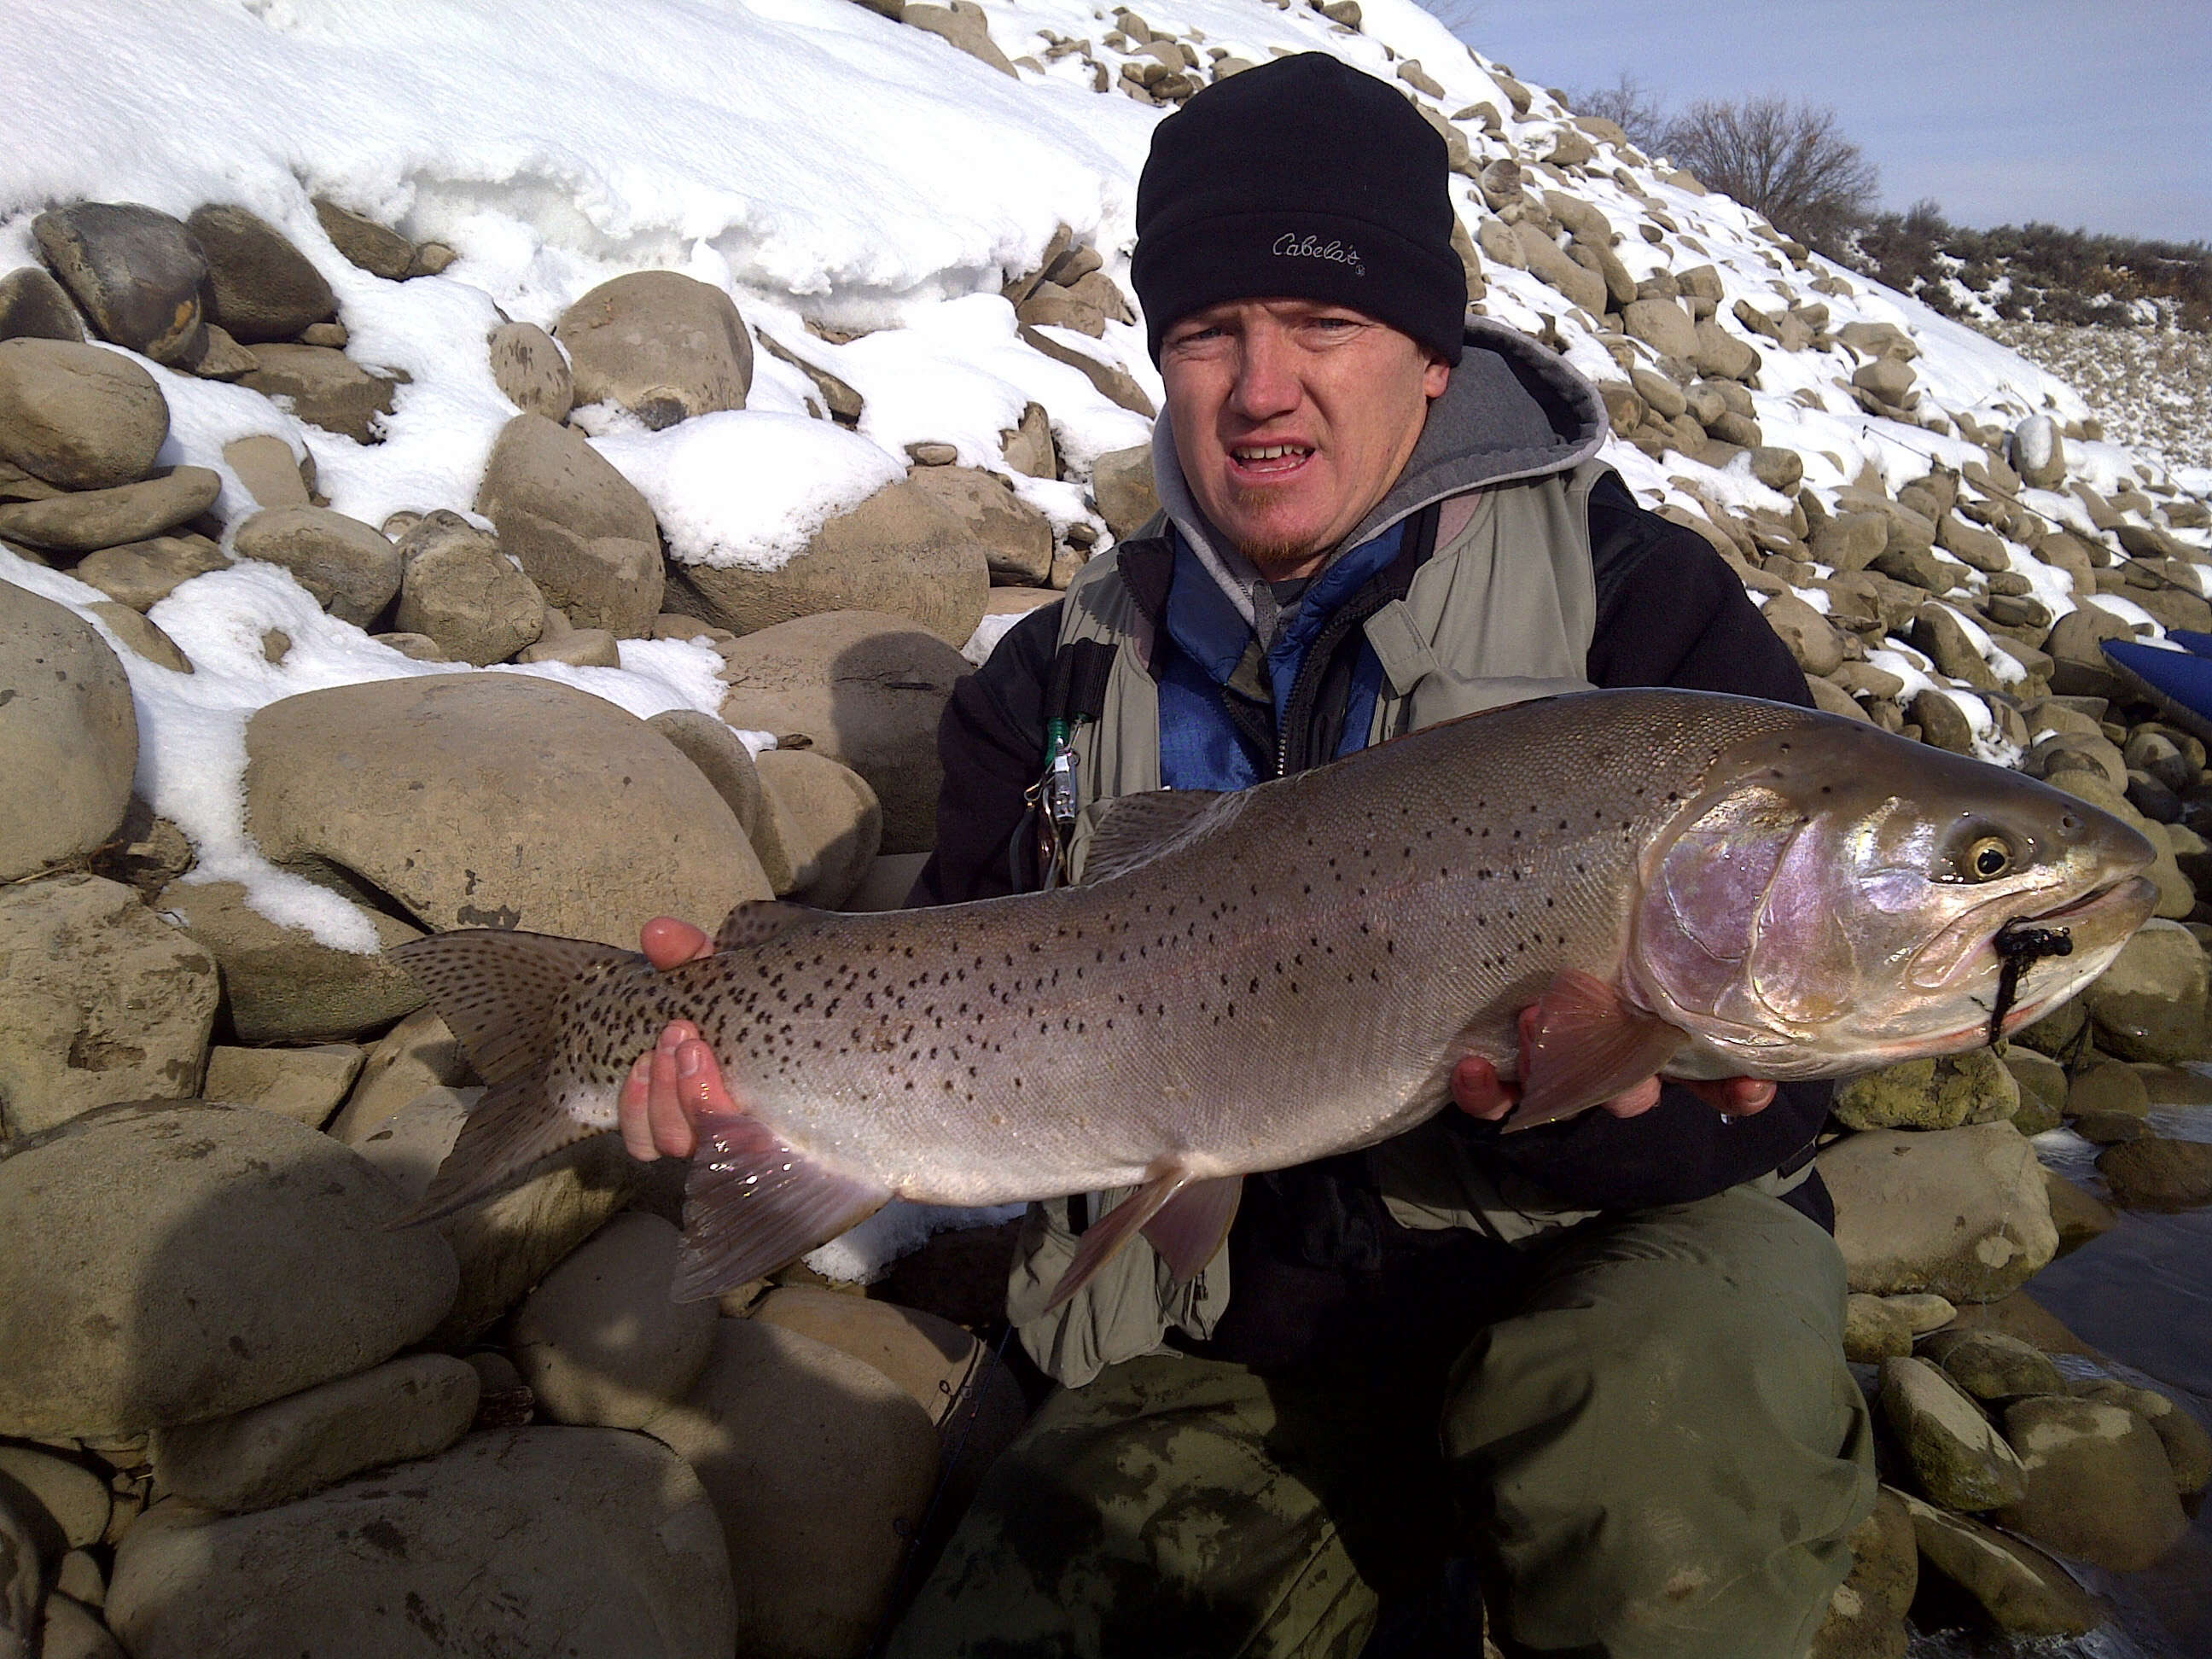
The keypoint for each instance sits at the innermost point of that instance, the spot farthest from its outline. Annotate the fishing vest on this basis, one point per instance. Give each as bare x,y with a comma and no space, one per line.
1503,609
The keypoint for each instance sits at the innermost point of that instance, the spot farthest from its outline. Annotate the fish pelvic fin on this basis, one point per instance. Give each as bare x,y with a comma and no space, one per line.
1192,1233
754,1204
1587,1045
501,992
509,1129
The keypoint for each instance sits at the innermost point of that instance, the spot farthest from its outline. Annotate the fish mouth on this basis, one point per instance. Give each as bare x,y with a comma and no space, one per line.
2111,913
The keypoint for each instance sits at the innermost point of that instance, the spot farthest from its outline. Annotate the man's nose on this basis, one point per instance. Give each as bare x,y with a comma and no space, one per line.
1267,381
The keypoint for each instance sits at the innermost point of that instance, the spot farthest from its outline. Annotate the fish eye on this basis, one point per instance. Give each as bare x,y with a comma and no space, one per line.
1986,858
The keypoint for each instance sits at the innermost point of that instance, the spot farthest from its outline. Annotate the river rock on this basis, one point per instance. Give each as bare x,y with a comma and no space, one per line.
505,1244
1962,1212
375,248
281,984
574,1541
725,761
2188,1444
2155,1173
1122,482
92,519
304,1084
140,574
1028,444
34,306
1016,538
2110,1085
581,530
1929,1094
495,800
459,589
76,1499
820,1467
2036,450
1992,1365
106,1002
2097,1483
660,345
414,1057
1873,1330
1957,1455
1546,260
580,647
900,551
67,719
283,1450
822,829
135,271
601,1341
531,370
176,1262
868,689
259,287
2023,1590
351,568
325,388
2042,1083
2080,1217
266,466
1813,640
2149,1004
76,416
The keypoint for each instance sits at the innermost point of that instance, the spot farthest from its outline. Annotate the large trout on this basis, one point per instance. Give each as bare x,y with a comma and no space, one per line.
1682,884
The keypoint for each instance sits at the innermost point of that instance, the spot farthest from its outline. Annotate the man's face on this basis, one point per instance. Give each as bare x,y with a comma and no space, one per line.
1293,419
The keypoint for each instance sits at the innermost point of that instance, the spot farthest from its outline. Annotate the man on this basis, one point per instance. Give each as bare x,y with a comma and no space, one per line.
1595,1368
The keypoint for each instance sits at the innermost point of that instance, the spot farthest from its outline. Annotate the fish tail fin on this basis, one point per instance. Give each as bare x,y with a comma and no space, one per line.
754,1204
500,990
502,994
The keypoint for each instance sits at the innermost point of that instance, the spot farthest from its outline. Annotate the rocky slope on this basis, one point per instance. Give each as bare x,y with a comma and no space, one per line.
362,546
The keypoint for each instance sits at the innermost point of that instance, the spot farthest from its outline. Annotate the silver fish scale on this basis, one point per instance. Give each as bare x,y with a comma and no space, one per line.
1299,981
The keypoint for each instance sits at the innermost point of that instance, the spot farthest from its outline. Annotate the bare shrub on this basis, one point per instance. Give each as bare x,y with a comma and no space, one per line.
1786,161
1630,105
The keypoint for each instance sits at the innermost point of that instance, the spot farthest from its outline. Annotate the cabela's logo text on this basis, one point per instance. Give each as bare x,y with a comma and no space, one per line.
1291,245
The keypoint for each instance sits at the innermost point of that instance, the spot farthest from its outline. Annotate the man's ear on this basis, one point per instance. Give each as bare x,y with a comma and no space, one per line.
1434,376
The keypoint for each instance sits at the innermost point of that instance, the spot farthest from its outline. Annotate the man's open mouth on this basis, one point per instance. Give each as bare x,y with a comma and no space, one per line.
1269,460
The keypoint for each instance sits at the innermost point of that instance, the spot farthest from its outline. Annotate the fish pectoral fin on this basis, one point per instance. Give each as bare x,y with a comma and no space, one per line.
1134,830
506,1131
1103,1239
1189,1230
757,920
754,1204
1587,1046
500,991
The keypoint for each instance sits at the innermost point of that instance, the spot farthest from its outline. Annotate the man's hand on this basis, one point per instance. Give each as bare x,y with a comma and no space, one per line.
1478,1091
680,1079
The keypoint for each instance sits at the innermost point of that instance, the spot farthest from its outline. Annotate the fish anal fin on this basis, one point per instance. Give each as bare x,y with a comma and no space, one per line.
509,1129
1189,1230
1586,1046
754,1204
1103,1239
500,991
757,920
1135,830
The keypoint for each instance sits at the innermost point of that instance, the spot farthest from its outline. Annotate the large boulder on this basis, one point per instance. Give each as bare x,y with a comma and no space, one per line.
820,1467
1121,482
1957,1455
2150,1003
901,551
281,984
588,1543
2023,1591
822,829
531,370
580,530
259,287
1962,1212
67,721
169,1263
1974,1087
106,1002
270,1454
507,1242
1016,538
601,1341
2098,1483
352,569
495,800
867,689
76,416
325,388
87,520
660,345
134,270
140,574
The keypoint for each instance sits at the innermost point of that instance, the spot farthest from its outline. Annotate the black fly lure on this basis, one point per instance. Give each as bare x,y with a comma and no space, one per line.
2022,946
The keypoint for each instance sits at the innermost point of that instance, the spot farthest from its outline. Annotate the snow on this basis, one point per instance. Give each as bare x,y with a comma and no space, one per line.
861,1255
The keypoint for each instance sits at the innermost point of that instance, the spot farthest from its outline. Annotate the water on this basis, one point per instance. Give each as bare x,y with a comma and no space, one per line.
2143,1296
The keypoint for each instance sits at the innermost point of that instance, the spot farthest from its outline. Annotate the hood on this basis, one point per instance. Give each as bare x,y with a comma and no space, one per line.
1514,410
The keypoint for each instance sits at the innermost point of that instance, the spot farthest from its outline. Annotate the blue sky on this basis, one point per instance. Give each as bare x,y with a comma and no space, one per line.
2092,112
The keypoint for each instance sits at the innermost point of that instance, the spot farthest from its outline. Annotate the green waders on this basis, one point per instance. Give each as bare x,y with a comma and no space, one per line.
1658,1451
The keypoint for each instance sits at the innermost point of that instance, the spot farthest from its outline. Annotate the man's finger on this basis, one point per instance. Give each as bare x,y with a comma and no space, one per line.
630,1111
1637,1101
667,941
672,1129
1478,1091
1736,1096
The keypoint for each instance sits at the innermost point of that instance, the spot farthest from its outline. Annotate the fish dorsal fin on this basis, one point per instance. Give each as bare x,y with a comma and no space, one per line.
500,990
1135,830
1587,1046
757,920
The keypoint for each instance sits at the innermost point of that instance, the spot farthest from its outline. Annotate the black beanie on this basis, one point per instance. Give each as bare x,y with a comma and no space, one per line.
1301,178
